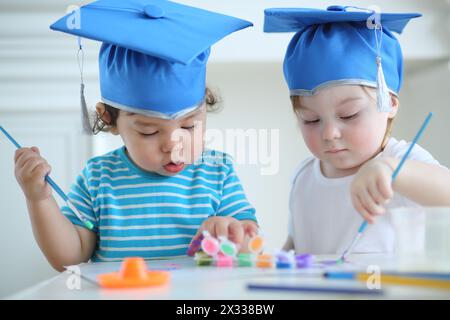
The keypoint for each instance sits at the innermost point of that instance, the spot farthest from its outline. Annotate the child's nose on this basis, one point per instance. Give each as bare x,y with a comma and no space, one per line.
331,131
169,144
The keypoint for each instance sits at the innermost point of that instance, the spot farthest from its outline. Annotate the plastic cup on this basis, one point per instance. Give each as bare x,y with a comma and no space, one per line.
422,237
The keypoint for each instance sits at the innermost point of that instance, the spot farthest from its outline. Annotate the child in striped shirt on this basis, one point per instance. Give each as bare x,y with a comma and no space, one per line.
152,196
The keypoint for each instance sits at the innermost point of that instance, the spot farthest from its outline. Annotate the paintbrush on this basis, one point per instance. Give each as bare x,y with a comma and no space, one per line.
394,176
55,187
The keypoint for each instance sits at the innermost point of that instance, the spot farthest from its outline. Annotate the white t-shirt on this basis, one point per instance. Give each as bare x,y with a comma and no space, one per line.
322,218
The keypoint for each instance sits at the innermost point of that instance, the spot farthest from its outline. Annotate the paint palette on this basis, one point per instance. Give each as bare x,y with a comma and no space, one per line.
279,260
224,253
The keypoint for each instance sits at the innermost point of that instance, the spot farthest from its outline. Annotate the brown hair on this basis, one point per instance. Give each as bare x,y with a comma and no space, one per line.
295,100
212,101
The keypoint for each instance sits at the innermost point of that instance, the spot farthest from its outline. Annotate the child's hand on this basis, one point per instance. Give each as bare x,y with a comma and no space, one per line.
30,171
228,227
372,188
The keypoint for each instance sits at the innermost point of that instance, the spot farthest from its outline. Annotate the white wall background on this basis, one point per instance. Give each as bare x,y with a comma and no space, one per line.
39,85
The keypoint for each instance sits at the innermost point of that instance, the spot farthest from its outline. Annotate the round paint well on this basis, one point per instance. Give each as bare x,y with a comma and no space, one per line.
264,261
228,249
210,246
256,244
304,260
224,260
203,259
245,260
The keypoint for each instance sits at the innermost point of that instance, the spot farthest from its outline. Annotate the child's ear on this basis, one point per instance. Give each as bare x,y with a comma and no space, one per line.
102,113
395,104
105,117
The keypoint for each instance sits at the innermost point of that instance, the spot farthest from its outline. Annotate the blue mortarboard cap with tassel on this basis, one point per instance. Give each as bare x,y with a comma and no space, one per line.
341,46
154,52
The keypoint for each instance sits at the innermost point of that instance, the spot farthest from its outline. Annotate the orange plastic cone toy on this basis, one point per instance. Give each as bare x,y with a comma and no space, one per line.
133,273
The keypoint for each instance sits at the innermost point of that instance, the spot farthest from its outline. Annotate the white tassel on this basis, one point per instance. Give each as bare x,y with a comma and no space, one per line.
383,96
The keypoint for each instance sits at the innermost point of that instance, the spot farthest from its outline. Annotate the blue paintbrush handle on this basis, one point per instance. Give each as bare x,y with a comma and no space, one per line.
416,138
363,226
402,161
54,185
49,180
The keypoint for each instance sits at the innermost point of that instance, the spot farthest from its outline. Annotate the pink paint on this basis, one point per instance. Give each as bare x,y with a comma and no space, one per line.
224,261
210,245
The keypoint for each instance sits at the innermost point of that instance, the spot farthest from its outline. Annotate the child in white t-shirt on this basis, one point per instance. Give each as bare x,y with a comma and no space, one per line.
345,105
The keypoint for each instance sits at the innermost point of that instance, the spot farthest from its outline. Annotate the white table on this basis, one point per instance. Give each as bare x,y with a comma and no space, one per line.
189,281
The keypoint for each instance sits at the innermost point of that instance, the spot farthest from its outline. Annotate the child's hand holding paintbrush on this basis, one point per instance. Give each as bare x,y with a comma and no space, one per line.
30,170
62,243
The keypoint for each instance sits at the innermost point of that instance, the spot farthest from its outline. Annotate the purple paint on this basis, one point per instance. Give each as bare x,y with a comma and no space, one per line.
329,262
304,260
195,245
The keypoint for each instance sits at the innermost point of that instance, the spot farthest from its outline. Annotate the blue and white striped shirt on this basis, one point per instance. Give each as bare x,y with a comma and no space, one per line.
140,213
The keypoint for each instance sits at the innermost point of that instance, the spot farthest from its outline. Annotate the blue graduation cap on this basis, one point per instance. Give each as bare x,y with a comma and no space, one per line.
339,46
154,52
